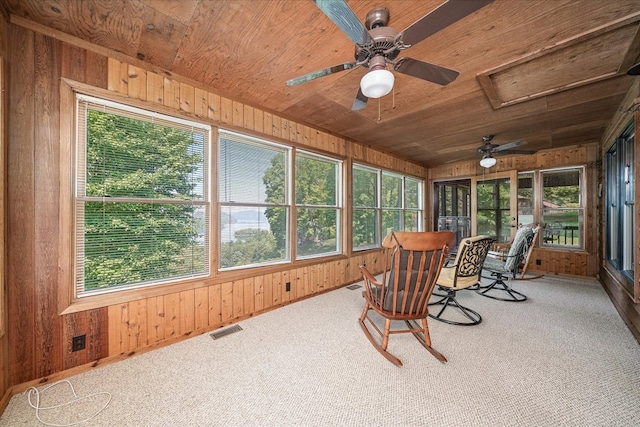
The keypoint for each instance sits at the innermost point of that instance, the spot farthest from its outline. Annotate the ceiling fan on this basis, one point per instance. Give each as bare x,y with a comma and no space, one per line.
488,149
378,45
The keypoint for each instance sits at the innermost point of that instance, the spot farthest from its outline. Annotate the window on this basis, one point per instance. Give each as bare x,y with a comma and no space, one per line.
317,205
620,179
526,198
383,201
254,194
562,207
255,191
412,204
365,229
392,201
141,198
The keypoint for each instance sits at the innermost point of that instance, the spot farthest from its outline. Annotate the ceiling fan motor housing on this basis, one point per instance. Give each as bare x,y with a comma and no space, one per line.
383,45
378,17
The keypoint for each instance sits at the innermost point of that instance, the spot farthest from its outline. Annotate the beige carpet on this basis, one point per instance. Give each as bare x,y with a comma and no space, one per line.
563,358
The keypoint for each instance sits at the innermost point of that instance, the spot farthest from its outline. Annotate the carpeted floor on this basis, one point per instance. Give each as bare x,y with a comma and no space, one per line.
562,358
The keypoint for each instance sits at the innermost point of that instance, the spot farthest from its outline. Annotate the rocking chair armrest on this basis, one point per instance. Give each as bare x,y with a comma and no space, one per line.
368,277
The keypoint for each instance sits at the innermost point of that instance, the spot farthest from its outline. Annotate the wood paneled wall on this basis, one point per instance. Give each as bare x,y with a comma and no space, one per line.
39,338
4,340
552,261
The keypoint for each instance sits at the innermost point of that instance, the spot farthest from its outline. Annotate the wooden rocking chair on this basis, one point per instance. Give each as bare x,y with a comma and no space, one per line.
413,261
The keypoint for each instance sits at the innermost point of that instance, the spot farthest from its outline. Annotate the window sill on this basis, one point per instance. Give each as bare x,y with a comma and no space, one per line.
124,296
562,249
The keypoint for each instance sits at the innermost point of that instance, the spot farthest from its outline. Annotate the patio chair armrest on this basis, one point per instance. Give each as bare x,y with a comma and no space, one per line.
499,254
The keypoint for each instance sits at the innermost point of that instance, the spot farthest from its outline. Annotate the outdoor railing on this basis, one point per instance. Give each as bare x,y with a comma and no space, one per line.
561,234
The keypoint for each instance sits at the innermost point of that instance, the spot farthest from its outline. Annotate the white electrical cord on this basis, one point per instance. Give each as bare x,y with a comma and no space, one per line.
34,391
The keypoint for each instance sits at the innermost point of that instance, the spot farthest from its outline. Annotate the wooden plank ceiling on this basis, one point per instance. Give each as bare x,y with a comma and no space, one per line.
550,72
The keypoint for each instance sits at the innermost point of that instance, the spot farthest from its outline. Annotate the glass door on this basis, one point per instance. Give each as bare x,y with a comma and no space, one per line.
495,205
452,208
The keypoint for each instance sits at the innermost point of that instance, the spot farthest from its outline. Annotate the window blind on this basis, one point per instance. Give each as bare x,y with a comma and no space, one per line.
142,197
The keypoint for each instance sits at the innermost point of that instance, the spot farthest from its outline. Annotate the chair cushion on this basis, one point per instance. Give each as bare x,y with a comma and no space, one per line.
496,265
468,263
447,277
388,302
523,237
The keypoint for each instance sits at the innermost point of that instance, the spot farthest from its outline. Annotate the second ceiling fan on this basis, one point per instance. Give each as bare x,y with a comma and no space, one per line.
488,149
378,45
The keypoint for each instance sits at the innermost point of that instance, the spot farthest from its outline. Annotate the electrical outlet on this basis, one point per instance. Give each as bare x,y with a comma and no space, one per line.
287,286
538,262
78,342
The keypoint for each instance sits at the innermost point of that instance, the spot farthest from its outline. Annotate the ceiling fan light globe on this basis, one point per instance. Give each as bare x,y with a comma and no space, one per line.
377,83
487,162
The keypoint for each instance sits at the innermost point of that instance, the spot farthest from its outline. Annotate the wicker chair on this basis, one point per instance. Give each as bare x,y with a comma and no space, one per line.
464,273
413,261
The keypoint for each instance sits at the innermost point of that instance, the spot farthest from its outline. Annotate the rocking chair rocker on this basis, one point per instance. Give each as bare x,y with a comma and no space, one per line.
407,283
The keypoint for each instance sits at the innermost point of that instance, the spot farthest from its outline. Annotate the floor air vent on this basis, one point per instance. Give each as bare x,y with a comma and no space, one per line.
354,287
227,331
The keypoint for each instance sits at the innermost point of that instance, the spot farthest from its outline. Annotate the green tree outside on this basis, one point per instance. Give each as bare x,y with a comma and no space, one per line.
365,198
132,241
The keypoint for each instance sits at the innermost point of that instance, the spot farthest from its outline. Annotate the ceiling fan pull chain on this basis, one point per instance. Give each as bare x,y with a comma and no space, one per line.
393,98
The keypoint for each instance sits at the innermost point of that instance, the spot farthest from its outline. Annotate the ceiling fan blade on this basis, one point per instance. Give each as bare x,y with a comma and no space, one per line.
360,101
457,159
425,71
509,145
320,73
443,16
342,15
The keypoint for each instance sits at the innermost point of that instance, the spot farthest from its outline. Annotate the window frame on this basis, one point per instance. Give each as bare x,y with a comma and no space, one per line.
375,208
620,212
67,303
582,220
337,206
420,208
395,211
286,204
80,198
290,205
538,209
378,207
533,199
